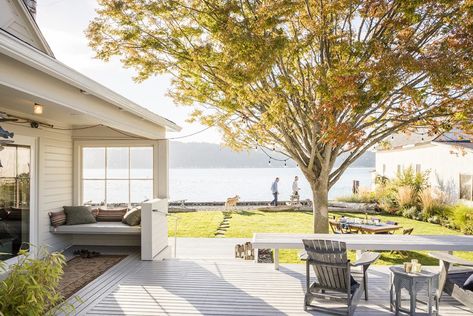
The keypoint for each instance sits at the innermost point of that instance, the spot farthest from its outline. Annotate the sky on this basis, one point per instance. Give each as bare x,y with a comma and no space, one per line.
63,23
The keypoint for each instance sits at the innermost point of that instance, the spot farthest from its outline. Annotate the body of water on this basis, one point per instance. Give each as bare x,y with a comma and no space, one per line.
252,184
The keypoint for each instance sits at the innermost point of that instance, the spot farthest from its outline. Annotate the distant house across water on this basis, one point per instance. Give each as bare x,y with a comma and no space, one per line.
447,157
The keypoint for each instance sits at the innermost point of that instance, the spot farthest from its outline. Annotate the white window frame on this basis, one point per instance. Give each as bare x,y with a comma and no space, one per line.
78,159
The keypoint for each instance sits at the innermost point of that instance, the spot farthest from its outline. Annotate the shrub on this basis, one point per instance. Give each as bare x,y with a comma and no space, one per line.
406,196
364,195
408,177
31,286
411,212
463,218
385,195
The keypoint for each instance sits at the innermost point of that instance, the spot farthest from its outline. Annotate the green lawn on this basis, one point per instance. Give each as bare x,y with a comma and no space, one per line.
195,224
245,223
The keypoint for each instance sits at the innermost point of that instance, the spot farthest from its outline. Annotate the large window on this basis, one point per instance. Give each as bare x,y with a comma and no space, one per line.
466,187
15,163
117,175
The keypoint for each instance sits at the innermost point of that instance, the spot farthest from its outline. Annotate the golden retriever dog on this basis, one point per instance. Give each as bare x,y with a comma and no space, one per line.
232,201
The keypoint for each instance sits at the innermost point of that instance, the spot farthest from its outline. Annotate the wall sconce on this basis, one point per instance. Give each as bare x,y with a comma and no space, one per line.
37,108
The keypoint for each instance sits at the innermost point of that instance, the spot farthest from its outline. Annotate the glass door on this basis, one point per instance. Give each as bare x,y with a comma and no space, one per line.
15,173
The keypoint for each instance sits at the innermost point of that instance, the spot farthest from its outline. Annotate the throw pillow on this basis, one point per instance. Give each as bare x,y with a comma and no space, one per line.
78,215
468,285
111,215
132,217
57,218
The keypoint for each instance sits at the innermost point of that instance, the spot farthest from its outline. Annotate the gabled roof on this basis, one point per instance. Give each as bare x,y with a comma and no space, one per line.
16,20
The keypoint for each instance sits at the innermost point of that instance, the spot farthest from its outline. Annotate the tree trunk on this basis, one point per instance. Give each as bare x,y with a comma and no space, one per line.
320,194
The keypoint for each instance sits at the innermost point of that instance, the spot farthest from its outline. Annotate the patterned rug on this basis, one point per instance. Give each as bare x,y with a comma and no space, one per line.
79,272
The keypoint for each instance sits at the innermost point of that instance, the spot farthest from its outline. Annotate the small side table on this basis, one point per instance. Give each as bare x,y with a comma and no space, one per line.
412,282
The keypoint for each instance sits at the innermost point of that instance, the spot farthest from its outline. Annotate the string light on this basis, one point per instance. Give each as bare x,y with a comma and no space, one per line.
284,160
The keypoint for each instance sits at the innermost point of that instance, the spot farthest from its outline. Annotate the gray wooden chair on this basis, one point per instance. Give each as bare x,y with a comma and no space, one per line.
451,281
337,227
333,276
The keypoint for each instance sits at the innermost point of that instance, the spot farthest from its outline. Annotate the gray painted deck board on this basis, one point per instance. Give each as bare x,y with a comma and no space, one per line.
219,286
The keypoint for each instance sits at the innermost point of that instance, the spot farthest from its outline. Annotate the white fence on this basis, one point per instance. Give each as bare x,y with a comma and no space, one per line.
154,228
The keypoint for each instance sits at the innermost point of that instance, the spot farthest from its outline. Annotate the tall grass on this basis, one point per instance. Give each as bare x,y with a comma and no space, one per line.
406,196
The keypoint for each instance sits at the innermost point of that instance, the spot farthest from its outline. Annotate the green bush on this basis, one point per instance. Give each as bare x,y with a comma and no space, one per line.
31,285
418,181
463,218
411,212
362,197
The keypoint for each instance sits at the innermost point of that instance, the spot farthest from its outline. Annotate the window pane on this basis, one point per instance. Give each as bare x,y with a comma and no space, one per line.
141,190
23,156
8,160
93,191
8,192
117,191
466,187
93,163
141,162
117,163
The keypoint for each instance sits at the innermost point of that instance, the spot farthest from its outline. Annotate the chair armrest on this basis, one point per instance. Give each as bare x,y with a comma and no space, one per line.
303,256
366,258
443,256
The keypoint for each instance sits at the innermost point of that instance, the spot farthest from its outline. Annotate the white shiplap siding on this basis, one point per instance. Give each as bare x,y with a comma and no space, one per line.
55,185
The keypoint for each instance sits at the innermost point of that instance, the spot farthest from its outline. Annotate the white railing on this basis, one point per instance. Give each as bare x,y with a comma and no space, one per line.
154,228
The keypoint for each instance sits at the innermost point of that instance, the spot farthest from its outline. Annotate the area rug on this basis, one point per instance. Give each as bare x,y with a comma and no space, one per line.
79,272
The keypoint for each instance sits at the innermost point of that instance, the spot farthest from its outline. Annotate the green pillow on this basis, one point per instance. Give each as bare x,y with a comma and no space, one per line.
132,217
79,215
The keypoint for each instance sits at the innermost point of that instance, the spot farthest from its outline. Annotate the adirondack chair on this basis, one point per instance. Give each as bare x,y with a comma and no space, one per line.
451,281
333,276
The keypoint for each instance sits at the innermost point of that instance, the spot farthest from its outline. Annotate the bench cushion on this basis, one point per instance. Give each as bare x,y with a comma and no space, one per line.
102,228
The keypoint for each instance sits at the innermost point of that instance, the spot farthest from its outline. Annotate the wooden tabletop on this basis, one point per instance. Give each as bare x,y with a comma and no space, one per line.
373,229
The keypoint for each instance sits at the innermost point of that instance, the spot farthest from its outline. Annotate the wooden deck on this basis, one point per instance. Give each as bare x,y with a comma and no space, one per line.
217,286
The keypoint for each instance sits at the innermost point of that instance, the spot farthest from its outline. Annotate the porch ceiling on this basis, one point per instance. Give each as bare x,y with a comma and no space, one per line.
20,104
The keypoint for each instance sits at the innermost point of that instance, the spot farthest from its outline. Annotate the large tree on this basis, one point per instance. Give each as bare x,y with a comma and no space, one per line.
320,78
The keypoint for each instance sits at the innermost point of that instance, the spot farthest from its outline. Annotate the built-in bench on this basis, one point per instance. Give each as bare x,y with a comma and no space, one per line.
99,228
152,235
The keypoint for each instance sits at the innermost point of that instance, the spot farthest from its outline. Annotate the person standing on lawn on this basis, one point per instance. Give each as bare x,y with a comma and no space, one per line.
274,190
295,186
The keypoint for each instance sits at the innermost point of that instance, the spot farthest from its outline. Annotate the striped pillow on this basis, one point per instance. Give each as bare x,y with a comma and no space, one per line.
111,215
57,218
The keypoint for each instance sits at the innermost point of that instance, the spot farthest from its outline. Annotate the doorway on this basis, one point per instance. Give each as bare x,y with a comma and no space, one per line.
15,199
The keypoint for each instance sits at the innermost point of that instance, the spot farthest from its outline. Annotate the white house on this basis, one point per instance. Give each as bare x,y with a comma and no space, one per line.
74,140
447,157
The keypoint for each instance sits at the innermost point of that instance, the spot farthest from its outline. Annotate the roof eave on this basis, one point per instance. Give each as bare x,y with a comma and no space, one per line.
26,54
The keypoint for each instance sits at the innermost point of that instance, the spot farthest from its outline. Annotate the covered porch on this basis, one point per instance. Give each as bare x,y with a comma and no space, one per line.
74,142
205,279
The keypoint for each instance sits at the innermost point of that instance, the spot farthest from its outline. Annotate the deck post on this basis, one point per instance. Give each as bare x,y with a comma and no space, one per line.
276,258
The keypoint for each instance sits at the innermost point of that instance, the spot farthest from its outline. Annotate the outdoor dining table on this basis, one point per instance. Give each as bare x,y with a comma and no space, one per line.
365,242
372,228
